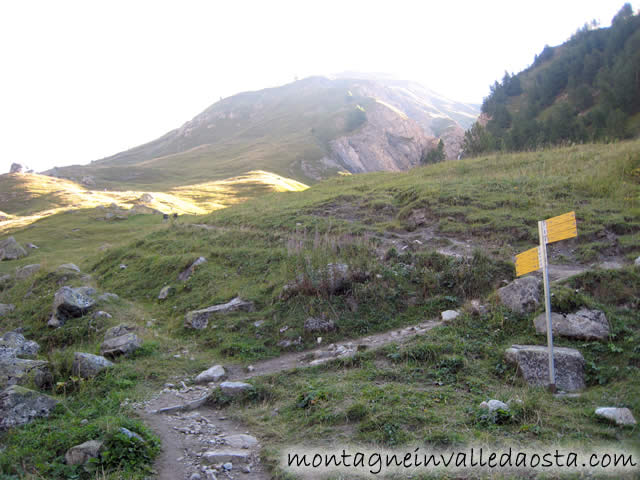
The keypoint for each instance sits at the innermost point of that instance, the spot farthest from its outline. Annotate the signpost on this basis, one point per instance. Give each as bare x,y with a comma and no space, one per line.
551,230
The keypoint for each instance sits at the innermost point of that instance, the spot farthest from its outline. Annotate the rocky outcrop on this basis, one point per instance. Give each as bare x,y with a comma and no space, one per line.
81,454
19,406
521,295
11,250
199,319
18,345
533,363
86,365
584,325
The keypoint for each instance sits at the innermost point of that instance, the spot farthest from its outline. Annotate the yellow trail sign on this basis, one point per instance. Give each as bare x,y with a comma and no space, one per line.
560,228
528,261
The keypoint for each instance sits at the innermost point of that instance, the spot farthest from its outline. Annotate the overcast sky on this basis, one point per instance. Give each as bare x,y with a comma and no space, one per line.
81,80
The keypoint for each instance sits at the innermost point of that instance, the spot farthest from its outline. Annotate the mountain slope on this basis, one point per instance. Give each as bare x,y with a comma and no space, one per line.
587,89
299,130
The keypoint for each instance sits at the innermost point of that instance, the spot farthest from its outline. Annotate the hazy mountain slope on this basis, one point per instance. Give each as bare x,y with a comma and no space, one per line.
291,130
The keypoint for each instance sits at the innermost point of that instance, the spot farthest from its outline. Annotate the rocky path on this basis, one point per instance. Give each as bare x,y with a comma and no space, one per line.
200,442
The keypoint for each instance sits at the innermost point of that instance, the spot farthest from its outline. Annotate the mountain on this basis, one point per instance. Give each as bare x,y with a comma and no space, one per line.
306,130
587,89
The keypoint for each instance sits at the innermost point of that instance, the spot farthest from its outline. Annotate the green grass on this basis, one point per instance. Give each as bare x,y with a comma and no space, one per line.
426,391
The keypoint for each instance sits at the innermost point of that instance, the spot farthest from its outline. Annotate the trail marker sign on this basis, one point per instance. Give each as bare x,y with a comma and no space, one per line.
551,230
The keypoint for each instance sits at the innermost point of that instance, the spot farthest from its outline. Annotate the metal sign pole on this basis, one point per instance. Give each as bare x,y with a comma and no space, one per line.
547,301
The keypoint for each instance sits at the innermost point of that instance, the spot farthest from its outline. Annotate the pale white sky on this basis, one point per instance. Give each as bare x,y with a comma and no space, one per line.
81,80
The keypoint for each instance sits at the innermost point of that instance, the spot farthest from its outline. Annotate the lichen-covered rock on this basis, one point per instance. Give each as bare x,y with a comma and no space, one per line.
118,330
319,325
199,319
27,271
533,363
72,303
19,406
81,454
11,250
521,295
584,324
20,371
20,346
122,345
86,365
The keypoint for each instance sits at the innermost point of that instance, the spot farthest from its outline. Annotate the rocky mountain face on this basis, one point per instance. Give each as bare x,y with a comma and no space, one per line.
307,130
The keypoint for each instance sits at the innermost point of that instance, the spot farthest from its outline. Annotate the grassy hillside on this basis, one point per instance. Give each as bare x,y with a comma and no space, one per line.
397,232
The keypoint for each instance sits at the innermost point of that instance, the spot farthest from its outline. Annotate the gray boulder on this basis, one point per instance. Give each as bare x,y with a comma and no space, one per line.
72,303
449,315
86,365
199,319
20,371
81,454
234,389
19,406
186,274
584,324
493,405
118,331
6,308
318,325
241,441
5,280
213,374
165,292
521,295
68,268
20,346
533,363
11,250
122,345
621,416
27,271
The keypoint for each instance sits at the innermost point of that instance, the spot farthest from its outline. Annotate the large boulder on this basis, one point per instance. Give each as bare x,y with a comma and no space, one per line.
86,365
199,319
27,271
521,295
72,303
6,308
584,324
121,345
533,363
319,325
213,374
20,371
11,250
81,454
19,406
19,346
621,416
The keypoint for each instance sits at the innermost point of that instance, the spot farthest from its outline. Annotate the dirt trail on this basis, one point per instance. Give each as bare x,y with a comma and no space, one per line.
192,428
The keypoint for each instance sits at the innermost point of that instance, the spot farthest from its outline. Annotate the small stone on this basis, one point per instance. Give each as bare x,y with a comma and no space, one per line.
165,292
199,319
225,456
241,441
449,315
250,368
84,421
246,469
621,416
131,434
195,476
69,267
493,405
102,314
258,323
122,266
314,324
81,454
228,466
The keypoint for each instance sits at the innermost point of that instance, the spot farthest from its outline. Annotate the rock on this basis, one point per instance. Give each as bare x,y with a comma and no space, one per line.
227,466
225,456
186,274
241,441
235,388
314,325
449,315
533,363
165,292
27,271
19,371
637,262
86,365
72,303
17,168
131,434
32,246
68,267
5,280
477,308
333,279
102,314
213,374
81,454
118,330
108,297
290,343
11,250
493,405
20,345
199,319
521,295
584,324
621,416
6,308
122,345
195,476
19,406
88,180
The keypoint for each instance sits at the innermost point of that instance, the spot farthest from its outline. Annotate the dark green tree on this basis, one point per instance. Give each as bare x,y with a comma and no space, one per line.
434,155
